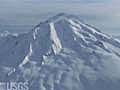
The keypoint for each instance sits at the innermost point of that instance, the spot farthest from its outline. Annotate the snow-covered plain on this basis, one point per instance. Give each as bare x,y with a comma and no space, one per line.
61,53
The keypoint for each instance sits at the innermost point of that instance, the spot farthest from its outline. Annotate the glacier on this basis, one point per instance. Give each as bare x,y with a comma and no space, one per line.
61,53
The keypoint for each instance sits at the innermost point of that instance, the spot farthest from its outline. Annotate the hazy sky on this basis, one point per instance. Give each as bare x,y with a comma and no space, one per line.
22,15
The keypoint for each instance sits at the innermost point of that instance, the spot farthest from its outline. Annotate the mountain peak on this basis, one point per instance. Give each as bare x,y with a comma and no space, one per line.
61,16
67,31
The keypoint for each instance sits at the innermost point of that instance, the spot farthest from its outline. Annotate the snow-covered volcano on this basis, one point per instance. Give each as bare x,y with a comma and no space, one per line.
62,53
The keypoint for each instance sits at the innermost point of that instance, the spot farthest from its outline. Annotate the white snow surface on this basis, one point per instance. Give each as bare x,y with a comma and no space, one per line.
26,60
56,42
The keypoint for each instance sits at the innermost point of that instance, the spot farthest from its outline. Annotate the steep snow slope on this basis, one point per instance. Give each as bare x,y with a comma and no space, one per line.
62,53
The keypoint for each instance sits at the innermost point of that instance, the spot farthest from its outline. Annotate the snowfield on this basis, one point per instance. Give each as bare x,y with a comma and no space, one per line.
61,53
